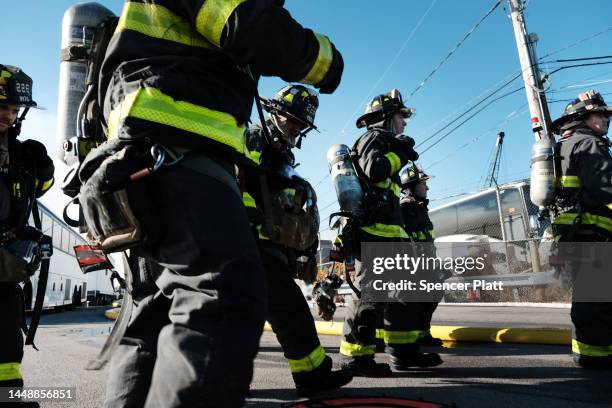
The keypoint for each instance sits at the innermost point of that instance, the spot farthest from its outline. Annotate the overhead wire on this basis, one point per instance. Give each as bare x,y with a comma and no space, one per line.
393,61
452,51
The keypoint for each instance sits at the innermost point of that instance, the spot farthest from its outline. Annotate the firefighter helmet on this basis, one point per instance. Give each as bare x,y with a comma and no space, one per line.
297,102
586,103
15,87
383,107
412,175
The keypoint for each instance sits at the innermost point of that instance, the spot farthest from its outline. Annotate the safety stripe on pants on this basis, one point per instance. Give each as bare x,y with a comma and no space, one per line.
10,371
356,350
402,337
308,363
591,350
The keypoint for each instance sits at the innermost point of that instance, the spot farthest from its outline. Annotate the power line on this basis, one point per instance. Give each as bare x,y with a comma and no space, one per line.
452,51
577,59
470,117
588,38
393,61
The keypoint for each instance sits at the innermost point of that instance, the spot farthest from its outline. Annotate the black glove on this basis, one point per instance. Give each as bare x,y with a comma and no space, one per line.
405,144
331,81
35,154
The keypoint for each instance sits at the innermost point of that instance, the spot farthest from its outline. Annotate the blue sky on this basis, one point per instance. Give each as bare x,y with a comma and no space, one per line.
385,44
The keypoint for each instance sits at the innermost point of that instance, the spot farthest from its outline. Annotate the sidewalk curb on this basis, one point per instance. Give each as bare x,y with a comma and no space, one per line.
554,336
476,334
112,313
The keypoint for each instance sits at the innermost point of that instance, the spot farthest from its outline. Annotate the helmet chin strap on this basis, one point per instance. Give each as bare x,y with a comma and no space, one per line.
15,130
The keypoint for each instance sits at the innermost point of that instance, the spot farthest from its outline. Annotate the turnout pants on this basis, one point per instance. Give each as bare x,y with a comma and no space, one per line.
592,332
288,312
11,337
191,341
402,324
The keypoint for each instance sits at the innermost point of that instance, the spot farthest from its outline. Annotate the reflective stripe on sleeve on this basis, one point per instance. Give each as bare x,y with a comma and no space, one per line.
213,16
157,21
323,62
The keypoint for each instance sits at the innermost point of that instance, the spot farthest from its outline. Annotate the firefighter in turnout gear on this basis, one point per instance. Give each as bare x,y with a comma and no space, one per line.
584,202
183,74
418,225
26,174
292,113
380,154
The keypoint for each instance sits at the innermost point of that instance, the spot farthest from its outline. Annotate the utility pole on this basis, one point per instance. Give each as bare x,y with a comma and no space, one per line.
525,43
538,109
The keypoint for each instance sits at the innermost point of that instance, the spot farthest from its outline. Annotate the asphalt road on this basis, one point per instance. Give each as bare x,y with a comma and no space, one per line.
473,375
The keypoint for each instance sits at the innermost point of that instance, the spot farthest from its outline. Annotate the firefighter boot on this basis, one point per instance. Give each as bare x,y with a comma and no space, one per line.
593,362
429,340
366,366
322,378
408,361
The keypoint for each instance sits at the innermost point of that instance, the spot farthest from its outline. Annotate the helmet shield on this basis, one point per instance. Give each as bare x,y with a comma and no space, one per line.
15,87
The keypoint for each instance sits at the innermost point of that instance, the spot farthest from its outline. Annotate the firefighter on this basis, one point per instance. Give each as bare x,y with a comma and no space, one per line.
292,113
418,225
584,202
26,174
382,151
183,74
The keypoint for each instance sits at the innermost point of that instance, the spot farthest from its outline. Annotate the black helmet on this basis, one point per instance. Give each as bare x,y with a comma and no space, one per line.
586,103
410,176
15,87
295,101
383,107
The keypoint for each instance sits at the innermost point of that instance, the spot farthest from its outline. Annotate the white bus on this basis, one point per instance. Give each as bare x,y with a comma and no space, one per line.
67,285
478,214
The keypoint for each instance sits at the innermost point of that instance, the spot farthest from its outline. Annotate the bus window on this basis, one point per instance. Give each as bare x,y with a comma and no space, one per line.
479,216
66,240
513,213
53,287
444,221
47,224
57,235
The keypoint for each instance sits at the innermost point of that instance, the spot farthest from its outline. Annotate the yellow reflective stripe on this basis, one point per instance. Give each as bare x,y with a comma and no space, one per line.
46,185
5,74
590,350
388,184
213,16
248,200
402,337
253,155
609,206
10,371
261,235
432,234
308,363
152,105
323,62
157,21
570,181
384,230
395,161
380,333
421,235
586,219
356,350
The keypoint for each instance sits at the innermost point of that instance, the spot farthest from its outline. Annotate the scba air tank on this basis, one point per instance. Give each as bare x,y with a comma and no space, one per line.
542,190
78,26
344,177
